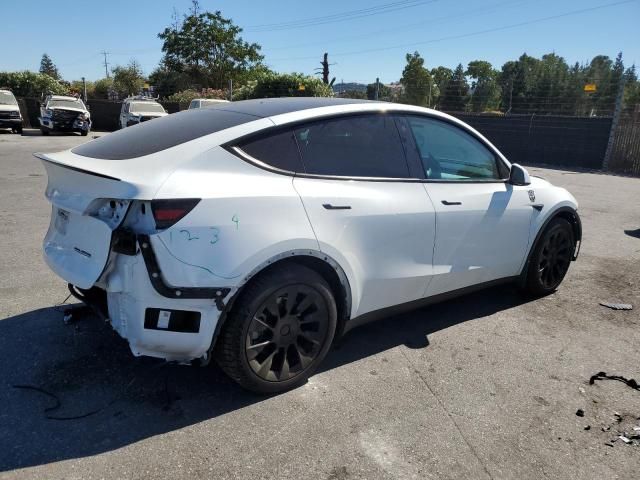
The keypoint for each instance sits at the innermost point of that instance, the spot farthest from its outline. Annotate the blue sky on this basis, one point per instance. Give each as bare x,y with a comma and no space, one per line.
445,32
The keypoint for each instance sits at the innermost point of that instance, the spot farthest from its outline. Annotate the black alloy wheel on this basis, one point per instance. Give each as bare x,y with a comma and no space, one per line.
554,258
286,333
551,258
278,330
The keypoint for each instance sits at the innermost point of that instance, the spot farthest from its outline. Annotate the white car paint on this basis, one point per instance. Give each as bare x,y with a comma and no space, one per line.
397,243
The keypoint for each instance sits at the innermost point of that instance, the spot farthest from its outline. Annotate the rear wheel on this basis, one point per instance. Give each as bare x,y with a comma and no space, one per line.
19,130
279,330
551,258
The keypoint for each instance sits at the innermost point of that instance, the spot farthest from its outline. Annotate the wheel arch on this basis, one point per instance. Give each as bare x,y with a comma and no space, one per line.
568,213
323,264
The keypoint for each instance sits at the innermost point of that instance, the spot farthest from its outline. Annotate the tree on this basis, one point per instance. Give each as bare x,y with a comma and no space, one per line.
47,67
519,80
31,84
417,81
102,87
454,97
485,89
283,85
384,92
631,88
357,94
185,97
128,80
441,76
208,49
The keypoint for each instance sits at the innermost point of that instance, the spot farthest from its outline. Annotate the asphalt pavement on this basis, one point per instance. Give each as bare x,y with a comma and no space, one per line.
486,386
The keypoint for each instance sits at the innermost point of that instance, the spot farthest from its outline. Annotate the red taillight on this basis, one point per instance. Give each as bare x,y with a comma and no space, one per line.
167,212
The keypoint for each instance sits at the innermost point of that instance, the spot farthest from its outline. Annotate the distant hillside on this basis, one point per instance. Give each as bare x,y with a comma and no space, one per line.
349,87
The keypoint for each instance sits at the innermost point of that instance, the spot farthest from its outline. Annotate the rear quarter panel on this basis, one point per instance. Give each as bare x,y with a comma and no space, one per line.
247,217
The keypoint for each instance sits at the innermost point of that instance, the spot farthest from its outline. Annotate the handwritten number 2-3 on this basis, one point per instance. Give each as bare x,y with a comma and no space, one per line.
215,232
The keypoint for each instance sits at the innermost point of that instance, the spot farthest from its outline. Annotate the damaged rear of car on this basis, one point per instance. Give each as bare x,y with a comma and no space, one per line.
110,217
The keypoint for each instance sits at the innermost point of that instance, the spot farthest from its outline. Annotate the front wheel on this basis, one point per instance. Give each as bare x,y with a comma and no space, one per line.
279,330
84,133
551,258
44,132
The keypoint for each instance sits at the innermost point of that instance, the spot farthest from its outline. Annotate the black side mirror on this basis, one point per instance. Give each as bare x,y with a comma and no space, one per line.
519,175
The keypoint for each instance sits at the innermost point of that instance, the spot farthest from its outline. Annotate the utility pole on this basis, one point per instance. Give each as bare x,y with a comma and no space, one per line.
377,93
614,123
106,64
230,89
325,68
84,89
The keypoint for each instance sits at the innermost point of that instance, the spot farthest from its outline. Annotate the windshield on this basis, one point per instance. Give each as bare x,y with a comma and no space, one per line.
7,98
66,104
147,107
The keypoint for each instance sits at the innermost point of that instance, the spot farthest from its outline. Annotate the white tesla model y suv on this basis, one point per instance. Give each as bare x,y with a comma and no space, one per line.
256,232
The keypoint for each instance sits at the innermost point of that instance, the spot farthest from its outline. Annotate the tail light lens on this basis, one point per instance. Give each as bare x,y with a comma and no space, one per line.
167,212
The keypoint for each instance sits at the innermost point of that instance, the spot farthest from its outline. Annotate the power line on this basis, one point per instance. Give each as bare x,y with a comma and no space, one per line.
410,26
464,35
339,17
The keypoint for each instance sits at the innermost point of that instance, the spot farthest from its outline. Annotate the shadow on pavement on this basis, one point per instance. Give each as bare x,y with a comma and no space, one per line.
91,371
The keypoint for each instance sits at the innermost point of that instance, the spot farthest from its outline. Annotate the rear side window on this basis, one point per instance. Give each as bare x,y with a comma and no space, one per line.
449,153
162,133
279,151
355,146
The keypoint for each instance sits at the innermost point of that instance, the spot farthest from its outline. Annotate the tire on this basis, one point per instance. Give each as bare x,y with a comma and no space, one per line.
84,133
19,130
44,132
551,258
268,345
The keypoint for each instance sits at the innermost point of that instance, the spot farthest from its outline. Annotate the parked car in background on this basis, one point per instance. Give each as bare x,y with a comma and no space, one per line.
64,114
256,232
140,109
205,102
10,116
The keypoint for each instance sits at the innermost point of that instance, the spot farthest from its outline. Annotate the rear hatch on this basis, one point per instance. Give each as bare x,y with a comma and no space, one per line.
90,199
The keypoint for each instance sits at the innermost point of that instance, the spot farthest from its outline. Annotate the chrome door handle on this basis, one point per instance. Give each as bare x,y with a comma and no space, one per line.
444,202
328,206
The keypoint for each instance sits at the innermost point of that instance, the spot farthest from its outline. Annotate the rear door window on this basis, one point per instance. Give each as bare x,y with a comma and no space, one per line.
278,150
354,146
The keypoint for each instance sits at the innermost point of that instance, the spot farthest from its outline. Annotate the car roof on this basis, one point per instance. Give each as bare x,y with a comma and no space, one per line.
269,107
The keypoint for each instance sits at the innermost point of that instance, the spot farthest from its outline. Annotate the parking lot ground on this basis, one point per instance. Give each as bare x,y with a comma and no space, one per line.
486,386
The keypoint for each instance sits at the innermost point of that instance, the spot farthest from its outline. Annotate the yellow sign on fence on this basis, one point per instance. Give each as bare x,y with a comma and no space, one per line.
590,87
